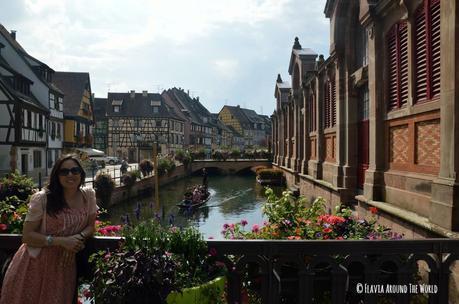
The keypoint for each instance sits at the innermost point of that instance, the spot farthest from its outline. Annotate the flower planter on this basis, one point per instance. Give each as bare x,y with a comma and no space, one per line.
203,294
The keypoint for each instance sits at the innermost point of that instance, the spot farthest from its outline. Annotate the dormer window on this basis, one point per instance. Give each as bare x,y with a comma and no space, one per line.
155,109
116,104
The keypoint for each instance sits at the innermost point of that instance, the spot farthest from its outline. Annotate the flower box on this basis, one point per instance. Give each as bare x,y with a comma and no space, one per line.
206,293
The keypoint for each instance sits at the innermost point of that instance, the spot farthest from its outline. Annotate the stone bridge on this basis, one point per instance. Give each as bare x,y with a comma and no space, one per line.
229,166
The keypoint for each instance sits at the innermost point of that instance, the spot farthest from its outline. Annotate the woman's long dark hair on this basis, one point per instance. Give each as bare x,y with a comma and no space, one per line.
54,191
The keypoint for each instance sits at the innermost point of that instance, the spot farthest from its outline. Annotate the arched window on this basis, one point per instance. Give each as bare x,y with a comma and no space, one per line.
427,50
397,49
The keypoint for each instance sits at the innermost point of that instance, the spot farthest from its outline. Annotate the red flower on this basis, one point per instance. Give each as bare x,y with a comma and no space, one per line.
340,238
373,210
3,227
326,237
327,230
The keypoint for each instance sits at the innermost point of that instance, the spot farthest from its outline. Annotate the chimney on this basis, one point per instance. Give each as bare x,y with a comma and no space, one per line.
144,93
13,34
132,94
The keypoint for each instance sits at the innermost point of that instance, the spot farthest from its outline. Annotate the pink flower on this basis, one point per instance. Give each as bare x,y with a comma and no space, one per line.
255,228
327,230
3,227
244,222
103,231
98,222
225,226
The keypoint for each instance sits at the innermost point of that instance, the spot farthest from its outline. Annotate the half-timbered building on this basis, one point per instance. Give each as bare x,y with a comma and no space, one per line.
43,90
376,122
198,119
22,125
78,109
137,121
101,124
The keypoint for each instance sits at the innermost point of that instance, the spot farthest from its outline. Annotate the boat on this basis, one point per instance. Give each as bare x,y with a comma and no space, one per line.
185,205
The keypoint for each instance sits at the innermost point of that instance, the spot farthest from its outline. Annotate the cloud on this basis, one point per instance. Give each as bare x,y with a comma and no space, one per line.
226,68
220,50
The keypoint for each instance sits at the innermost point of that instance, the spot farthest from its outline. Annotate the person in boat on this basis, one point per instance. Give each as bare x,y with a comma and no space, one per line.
196,196
188,198
204,177
203,191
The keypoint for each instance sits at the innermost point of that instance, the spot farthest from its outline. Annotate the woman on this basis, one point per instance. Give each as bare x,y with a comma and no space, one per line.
58,221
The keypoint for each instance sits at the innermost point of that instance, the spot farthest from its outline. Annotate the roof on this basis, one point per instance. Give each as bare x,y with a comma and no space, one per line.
73,84
235,133
302,53
26,99
191,106
139,106
100,104
28,58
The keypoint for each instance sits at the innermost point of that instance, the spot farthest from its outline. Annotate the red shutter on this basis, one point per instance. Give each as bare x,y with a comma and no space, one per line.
420,49
403,63
392,60
327,104
333,103
435,48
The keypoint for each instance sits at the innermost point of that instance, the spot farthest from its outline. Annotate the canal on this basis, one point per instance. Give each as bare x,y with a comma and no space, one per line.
233,198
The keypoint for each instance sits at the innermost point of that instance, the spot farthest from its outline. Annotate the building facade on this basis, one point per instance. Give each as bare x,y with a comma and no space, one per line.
136,121
376,122
78,110
101,124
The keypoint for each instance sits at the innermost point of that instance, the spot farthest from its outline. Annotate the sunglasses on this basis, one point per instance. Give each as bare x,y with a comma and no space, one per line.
74,171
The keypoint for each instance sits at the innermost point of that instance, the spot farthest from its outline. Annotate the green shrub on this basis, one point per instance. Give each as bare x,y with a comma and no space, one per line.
152,262
270,174
184,157
104,186
165,165
16,184
235,153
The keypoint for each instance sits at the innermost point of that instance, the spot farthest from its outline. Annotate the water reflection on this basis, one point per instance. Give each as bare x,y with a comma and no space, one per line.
233,198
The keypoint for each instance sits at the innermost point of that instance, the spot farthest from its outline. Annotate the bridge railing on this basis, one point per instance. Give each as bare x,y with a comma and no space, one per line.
332,271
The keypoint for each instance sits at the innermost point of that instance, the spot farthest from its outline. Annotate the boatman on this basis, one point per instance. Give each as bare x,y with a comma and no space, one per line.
204,178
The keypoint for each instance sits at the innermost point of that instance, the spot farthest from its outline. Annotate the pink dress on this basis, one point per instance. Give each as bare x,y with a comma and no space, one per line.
38,275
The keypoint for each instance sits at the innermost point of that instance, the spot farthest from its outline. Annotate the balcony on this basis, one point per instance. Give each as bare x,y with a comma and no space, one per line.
346,271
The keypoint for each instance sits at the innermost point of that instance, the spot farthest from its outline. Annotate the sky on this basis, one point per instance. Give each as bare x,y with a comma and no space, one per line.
224,51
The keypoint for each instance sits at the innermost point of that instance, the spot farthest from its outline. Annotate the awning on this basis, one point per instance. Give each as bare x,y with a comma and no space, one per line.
91,151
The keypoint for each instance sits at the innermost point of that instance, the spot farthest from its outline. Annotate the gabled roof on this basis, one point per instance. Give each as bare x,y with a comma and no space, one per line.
100,104
19,96
190,106
281,86
252,116
139,106
73,84
28,58
298,51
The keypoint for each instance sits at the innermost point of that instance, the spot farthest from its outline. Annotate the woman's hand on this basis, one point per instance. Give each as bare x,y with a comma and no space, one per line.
72,243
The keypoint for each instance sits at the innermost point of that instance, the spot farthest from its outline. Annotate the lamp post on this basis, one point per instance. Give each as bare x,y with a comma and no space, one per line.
155,168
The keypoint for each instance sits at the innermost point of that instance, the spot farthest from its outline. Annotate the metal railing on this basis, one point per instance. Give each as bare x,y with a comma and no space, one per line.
115,173
356,271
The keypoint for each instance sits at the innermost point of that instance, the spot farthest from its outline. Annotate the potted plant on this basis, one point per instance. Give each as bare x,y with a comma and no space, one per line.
104,186
146,167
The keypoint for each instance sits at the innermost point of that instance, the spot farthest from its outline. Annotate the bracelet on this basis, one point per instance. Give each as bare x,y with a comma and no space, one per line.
49,240
82,235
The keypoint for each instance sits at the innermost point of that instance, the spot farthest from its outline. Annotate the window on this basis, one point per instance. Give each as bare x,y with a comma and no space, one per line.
58,134
427,50
330,103
40,122
52,101
60,103
155,109
158,123
116,109
364,104
29,119
312,113
397,48
37,159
